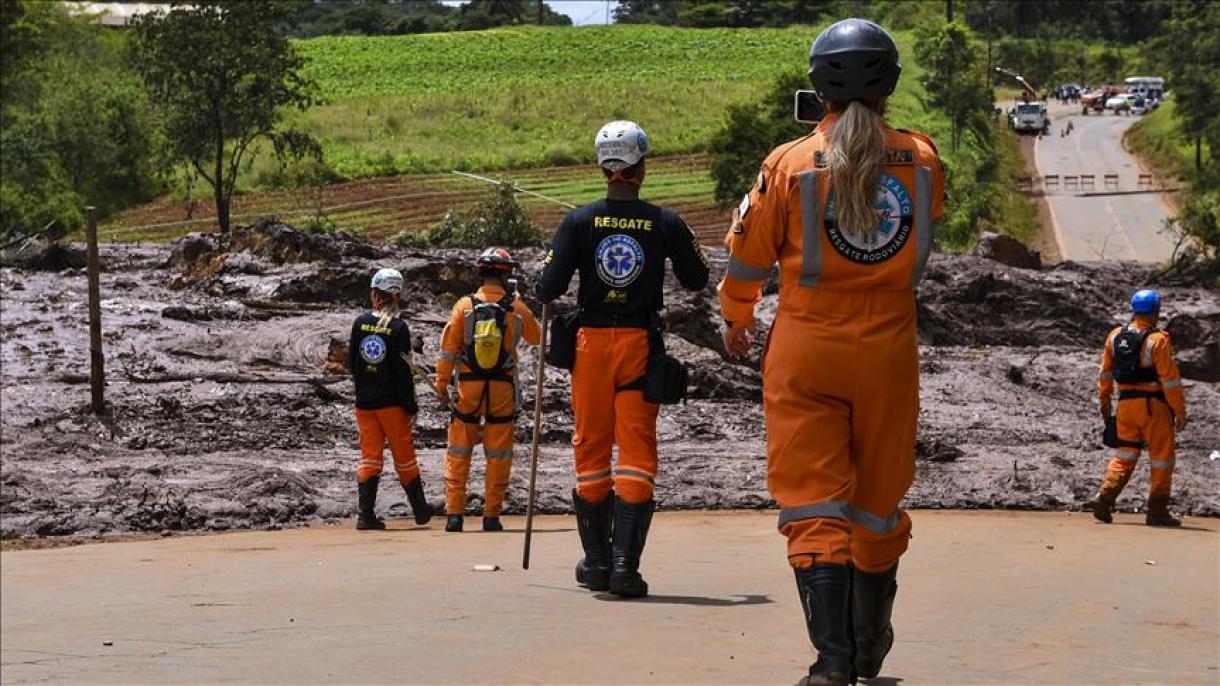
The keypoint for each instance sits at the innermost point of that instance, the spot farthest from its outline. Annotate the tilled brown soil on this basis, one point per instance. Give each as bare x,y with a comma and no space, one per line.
224,414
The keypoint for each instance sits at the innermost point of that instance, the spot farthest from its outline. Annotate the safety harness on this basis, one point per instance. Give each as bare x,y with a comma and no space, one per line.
487,353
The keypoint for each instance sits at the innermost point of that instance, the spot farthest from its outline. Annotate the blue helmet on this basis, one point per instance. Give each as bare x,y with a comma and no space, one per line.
1146,301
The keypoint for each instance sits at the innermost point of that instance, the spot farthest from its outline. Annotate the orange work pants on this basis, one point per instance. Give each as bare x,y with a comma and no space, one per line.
1149,421
607,359
481,400
377,427
841,400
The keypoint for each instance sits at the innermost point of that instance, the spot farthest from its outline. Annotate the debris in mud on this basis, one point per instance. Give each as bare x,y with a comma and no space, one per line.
44,256
936,450
1006,250
231,407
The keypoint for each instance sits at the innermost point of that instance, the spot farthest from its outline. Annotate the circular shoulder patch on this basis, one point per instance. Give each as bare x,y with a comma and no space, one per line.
373,349
620,260
895,219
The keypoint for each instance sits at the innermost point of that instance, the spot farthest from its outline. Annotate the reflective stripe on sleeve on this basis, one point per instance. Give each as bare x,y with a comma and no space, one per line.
1172,383
811,224
448,356
923,222
1161,464
1106,376
1126,454
744,272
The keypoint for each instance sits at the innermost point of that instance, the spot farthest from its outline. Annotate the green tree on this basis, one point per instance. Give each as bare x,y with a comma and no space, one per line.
951,59
1189,54
750,131
74,126
221,74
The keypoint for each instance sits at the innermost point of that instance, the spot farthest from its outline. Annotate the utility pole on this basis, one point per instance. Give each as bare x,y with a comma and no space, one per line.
97,372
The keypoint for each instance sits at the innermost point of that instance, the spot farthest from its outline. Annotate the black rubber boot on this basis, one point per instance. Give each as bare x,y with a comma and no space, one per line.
593,521
631,522
453,523
826,598
421,509
1158,513
1103,508
368,505
872,602
492,524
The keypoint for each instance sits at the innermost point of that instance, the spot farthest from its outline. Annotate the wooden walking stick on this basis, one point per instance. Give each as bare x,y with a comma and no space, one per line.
529,502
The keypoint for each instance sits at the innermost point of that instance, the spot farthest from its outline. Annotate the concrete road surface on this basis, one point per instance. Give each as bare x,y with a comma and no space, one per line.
1126,226
985,598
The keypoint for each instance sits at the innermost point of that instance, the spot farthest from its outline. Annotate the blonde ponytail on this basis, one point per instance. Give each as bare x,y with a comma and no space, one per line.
386,308
855,153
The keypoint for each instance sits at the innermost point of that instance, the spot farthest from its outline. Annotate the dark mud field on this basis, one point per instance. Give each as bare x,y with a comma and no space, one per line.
226,410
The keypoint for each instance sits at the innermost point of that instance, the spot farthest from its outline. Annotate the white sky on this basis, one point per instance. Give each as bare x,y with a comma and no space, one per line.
582,12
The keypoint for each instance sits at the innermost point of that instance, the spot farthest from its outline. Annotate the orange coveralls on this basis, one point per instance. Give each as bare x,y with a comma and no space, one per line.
607,359
841,366
492,401
1143,420
387,425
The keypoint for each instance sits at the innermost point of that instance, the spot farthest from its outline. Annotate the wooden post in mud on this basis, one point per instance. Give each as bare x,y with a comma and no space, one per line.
97,374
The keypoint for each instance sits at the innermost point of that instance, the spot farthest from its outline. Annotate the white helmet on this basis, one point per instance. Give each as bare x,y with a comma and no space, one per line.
388,281
620,144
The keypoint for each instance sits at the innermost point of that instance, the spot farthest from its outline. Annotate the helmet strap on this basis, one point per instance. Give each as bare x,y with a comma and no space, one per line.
618,176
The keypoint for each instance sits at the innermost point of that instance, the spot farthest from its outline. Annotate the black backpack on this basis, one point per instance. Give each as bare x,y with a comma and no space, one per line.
1128,347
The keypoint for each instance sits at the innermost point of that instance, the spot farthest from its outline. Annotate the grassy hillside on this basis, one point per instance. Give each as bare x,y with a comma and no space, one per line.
1156,137
531,96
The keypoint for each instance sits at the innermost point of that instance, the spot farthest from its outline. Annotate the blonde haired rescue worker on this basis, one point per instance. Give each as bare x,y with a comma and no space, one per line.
1151,405
480,343
619,245
379,358
848,214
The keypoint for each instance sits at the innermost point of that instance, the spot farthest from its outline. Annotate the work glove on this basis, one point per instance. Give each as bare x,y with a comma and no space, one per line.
1179,422
442,397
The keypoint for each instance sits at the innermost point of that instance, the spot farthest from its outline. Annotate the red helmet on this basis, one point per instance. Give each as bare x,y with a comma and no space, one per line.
496,258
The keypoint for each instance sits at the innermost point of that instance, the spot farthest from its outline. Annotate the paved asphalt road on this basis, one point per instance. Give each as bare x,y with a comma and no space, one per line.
984,598
1100,227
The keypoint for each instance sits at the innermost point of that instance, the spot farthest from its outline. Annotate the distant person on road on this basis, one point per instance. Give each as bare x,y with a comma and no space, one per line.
848,213
478,357
379,358
1138,358
620,246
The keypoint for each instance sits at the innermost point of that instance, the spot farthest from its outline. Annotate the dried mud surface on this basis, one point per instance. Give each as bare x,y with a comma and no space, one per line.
227,412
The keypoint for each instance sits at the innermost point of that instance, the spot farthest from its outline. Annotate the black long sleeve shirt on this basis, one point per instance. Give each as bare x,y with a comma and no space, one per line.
620,248
379,358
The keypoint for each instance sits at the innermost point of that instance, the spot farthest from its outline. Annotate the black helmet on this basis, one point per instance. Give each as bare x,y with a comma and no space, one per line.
854,59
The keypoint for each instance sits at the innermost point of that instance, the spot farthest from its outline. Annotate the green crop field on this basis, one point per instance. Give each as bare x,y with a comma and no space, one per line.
531,97
526,101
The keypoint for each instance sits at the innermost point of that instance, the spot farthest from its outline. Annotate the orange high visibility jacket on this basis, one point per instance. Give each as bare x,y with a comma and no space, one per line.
788,216
521,324
1157,353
